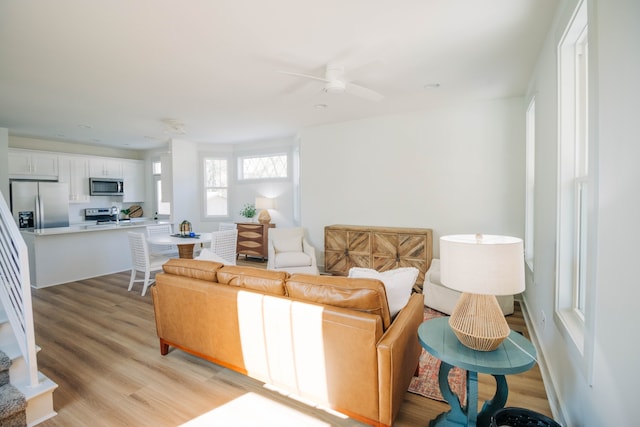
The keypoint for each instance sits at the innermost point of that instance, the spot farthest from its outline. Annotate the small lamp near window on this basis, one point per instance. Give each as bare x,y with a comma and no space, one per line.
264,204
481,267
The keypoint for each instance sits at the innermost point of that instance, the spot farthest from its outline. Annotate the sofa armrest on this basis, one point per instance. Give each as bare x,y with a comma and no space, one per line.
398,356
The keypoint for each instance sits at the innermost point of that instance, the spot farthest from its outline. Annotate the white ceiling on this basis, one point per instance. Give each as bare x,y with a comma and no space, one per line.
112,72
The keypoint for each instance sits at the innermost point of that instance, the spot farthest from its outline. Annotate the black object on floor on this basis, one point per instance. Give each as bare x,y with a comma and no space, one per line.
520,417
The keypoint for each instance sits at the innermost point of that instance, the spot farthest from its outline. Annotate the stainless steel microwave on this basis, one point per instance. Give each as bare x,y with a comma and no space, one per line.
106,186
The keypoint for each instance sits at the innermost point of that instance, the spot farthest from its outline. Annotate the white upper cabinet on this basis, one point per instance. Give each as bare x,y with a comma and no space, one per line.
105,167
134,182
32,164
75,171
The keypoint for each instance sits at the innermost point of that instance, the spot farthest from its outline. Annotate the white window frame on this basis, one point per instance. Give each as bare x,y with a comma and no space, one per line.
205,213
157,196
575,256
530,154
242,158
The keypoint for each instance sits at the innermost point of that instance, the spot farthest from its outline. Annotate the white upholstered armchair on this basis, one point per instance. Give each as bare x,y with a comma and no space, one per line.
290,251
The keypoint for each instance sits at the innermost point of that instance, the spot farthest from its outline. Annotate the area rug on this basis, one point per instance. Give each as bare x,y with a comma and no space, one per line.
426,383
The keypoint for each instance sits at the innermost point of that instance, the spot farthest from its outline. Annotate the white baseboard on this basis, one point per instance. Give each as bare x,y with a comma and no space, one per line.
549,385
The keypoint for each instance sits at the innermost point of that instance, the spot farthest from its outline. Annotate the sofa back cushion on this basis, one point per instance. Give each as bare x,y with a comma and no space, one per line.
257,279
196,269
366,295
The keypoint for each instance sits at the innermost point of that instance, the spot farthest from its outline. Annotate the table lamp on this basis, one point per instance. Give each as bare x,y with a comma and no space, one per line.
264,203
481,267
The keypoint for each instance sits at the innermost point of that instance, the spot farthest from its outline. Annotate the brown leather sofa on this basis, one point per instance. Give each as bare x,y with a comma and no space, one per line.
326,339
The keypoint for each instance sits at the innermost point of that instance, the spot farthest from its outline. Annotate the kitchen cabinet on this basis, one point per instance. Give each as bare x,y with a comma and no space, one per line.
134,180
105,167
75,171
32,164
66,254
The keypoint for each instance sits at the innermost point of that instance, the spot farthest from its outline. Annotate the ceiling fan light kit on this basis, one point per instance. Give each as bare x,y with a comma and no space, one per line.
174,126
335,86
336,83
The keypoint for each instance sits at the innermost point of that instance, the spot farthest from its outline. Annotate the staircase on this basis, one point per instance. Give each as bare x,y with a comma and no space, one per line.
26,395
39,397
13,404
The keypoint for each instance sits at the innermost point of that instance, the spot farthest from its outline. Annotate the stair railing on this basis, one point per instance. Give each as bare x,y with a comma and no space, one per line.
15,288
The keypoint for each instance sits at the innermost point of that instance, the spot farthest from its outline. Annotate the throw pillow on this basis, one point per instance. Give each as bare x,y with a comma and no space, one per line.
291,244
209,255
398,284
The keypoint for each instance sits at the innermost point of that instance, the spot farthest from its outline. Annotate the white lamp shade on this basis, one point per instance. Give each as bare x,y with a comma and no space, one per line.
482,264
265,203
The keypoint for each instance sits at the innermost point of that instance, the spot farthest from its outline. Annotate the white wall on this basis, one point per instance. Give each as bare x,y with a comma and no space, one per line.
4,171
188,187
455,170
615,66
279,189
74,148
186,201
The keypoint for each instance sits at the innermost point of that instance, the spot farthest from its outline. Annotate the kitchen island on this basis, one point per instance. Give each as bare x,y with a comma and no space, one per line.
80,251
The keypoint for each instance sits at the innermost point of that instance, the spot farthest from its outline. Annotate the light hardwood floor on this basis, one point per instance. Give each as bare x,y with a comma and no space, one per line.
99,345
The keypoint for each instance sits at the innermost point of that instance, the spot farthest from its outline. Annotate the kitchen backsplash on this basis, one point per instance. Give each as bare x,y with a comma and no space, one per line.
76,210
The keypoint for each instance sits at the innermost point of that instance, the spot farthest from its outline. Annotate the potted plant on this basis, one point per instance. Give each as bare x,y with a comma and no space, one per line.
248,211
125,213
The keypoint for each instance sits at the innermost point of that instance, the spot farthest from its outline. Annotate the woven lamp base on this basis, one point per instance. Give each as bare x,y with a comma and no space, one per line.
478,322
264,217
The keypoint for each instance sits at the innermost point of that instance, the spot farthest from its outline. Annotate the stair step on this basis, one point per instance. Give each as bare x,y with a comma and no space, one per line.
5,366
19,371
12,404
39,399
44,385
5,361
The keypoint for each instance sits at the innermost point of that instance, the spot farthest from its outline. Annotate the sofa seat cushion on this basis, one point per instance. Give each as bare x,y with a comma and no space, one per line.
367,295
196,269
292,259
398,283
257,279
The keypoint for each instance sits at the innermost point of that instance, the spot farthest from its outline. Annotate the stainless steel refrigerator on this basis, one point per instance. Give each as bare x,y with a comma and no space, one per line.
40,204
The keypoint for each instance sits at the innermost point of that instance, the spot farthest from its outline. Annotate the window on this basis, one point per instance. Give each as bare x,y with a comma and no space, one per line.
530,181
216,186
263,167
162,208
574,179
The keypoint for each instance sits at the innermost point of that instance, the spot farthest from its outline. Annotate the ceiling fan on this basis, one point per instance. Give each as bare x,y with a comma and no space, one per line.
172,128
335,82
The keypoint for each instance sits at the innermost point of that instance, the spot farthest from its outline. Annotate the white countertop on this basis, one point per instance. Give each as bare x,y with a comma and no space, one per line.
93,226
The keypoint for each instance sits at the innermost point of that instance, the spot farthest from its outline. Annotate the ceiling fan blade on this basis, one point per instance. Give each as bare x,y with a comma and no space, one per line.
363,92
307,76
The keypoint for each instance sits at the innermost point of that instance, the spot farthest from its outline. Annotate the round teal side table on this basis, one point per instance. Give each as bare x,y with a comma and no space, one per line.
516,354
